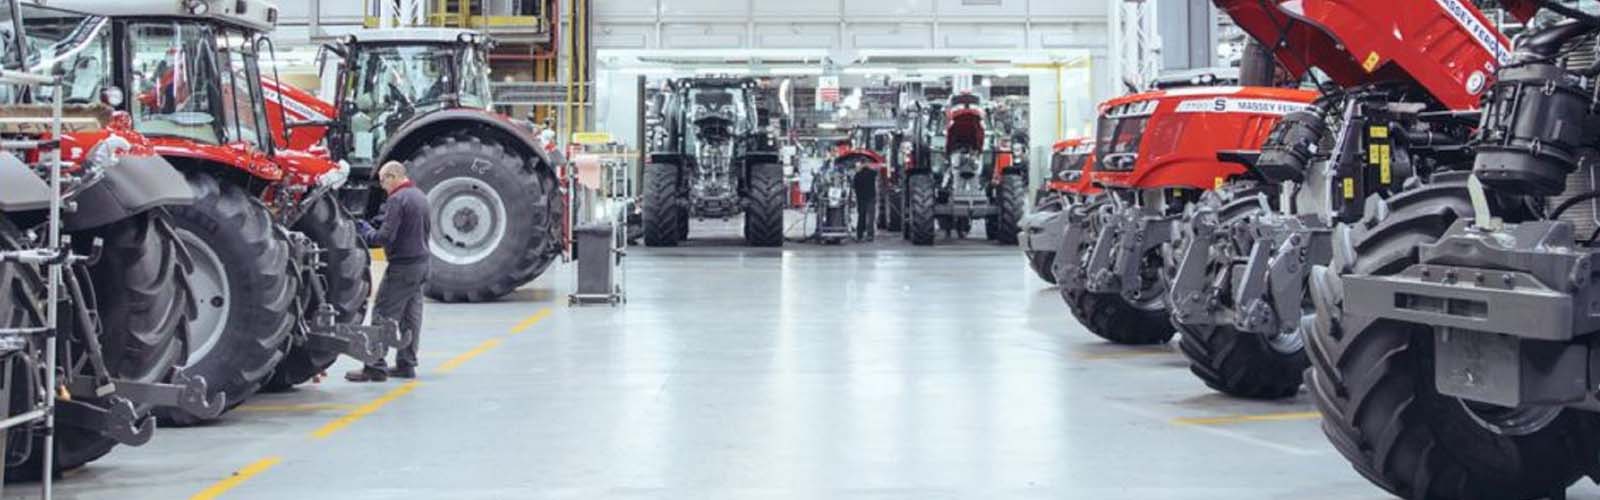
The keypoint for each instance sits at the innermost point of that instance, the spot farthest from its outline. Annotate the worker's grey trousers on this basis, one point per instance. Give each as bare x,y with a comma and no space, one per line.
400,299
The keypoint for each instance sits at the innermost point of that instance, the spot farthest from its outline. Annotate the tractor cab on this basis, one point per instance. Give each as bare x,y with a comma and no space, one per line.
392,76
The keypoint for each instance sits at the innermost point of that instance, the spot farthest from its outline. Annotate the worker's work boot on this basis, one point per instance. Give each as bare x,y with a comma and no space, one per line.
367,374
402,371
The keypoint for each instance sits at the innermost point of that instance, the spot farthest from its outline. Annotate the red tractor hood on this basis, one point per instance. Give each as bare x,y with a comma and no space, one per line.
1171,138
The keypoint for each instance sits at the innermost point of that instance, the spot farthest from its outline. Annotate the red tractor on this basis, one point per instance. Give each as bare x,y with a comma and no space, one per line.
1157,152
961,176
1069,184
279,274
420,96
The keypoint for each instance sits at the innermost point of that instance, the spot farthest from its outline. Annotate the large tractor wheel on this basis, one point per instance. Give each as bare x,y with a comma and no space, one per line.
141,292
1011,196
920,225
1113,318
497,218
243,287
347,276
1242,364
1375,387
763,212
665,221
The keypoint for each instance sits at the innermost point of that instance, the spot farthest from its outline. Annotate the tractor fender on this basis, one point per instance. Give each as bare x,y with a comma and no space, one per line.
132,186
415,134
21,189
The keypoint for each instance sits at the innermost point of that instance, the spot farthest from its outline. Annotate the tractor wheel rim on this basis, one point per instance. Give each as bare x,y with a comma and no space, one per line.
469,220
212,296
1519,421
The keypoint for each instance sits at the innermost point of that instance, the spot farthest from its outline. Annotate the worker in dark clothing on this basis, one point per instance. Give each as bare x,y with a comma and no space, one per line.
404,238
865,184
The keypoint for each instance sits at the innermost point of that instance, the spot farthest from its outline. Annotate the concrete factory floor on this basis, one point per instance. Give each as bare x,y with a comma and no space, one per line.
858,371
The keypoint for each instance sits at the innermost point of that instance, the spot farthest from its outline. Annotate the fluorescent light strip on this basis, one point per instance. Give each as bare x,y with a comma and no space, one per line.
795,71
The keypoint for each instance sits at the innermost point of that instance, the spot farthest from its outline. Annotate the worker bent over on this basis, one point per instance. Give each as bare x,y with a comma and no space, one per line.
403,235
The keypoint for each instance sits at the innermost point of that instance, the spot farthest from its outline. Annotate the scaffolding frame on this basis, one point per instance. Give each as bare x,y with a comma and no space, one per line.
54,257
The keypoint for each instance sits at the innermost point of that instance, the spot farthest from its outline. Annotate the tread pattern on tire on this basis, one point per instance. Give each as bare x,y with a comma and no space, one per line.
919,217
1111,317
664,221
259,323
1375,387
1012,198
764,203
534,236
1241,364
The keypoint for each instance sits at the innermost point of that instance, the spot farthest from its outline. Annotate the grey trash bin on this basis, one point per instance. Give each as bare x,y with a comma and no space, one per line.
595,280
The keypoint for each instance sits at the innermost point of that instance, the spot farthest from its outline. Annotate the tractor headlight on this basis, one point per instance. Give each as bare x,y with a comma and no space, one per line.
334,179
105,153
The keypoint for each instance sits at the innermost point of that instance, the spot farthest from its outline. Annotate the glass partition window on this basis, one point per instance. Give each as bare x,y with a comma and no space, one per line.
174,81
75,46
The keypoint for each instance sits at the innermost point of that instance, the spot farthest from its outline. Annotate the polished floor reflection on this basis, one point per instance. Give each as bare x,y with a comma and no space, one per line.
856,371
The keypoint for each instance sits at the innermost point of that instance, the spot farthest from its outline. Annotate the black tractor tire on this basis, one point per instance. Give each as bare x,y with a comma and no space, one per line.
1111,317
141,293
1236,363
522,195
1040,262
920,223
1011,196
894,209
1375,387
665,220
347,276
764,203
227,231
1242,364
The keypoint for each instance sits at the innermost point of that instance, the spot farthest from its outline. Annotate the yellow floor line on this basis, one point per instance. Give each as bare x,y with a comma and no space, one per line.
1236,419
364,410
530,321
297,407
453,363
237,478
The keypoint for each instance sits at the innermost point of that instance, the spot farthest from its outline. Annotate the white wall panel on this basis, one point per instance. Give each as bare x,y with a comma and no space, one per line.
625,36
801,9
891,36
887,10
624,10
970,9
704,36
708,10
797,36
982,36
1068,8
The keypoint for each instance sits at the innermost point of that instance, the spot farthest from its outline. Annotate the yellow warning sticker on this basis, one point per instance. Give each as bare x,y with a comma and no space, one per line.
1371,64
1218,183
1349,188
1383,165
1374,151
1378,132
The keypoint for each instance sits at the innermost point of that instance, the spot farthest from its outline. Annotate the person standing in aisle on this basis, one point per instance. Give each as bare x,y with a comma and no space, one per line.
865,184
404,238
